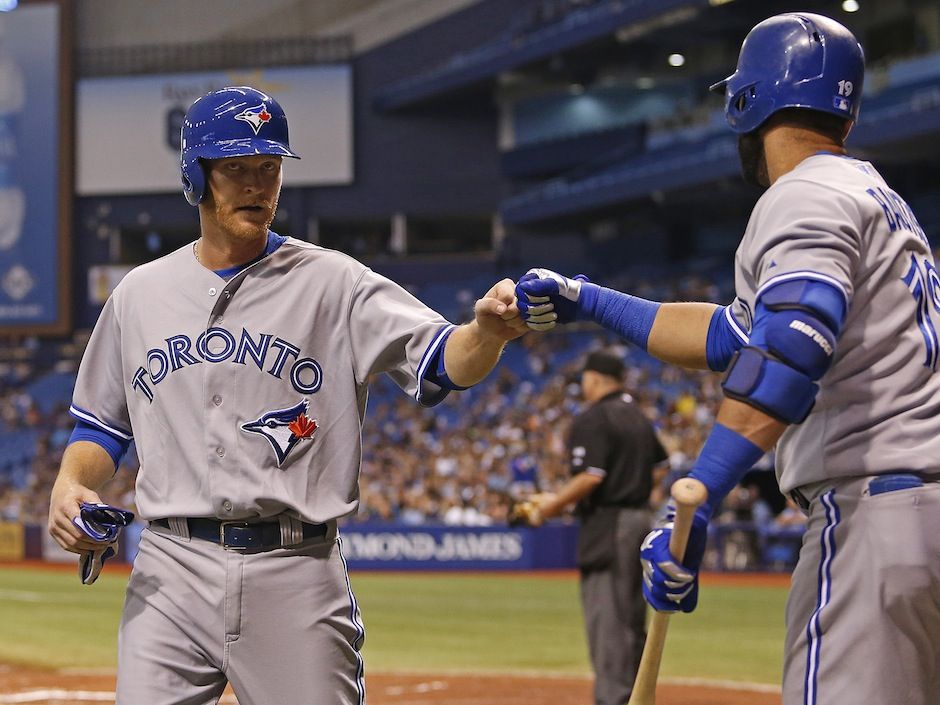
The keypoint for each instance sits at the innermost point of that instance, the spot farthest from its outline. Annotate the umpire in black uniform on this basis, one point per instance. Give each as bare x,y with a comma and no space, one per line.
615,461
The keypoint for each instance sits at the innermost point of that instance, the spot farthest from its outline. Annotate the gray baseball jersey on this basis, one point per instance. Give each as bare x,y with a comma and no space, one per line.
867,566
245,397
878,409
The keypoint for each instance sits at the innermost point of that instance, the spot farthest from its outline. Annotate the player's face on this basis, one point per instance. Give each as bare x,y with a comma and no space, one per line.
753,159
243,193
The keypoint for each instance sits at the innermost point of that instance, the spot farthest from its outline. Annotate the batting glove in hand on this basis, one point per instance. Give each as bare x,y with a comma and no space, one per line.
668,584
546,297
102,523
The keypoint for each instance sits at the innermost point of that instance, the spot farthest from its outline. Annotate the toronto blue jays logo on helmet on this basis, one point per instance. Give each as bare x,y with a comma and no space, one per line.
257,117
283,428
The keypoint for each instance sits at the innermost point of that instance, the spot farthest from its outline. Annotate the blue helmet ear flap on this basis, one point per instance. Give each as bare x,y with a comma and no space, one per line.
194,181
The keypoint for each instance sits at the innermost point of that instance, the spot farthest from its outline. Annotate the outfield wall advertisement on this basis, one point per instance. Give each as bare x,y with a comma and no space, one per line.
391,547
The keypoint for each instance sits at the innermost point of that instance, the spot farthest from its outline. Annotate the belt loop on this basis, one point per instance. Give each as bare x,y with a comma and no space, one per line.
179,526
800,500
292,530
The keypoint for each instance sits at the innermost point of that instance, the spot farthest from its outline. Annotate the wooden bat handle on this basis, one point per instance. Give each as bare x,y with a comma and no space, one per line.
689,494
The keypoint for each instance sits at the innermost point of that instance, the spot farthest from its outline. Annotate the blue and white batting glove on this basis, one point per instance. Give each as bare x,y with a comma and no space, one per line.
101,523
668,584
546,298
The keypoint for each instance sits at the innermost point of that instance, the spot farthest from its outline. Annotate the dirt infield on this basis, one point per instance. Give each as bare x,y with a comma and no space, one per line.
40,687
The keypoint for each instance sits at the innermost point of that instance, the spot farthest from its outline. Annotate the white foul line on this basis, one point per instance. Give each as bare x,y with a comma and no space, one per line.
85,696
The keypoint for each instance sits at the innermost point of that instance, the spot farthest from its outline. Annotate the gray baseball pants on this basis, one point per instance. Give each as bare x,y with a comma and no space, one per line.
615,612
863,616
282,626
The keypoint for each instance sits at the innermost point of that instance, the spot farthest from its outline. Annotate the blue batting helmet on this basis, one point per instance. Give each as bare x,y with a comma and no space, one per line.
794,60
230,122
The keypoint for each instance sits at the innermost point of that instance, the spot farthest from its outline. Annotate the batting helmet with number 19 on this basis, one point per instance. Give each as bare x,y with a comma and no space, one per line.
794,60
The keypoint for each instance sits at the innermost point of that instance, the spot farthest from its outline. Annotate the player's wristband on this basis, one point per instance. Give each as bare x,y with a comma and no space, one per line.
725,459
629,316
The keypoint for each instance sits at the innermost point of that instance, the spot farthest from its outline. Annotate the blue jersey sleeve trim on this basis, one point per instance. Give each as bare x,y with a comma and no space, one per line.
431,390
114,446
84,415
733,323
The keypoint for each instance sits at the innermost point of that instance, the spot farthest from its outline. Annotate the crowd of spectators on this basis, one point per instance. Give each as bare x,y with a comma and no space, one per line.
464,461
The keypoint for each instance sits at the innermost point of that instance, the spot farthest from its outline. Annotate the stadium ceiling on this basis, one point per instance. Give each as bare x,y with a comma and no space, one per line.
638,34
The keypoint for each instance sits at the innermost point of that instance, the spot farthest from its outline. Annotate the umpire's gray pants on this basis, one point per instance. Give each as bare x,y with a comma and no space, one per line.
615,612
282,626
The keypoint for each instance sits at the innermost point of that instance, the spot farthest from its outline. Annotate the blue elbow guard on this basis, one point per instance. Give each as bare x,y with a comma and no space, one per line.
791,346
813,296
760,380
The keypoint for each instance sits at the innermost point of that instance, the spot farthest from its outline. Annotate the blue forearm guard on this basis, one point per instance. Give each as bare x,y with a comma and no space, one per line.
629,316
725,459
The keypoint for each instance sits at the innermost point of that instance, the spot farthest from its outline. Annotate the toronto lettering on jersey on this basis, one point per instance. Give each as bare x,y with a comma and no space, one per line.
220,345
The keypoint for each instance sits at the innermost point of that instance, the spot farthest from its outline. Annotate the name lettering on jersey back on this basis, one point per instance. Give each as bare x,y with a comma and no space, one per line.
898,214
217,345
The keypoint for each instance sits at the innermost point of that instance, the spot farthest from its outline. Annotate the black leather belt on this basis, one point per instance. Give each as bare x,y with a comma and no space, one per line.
244,535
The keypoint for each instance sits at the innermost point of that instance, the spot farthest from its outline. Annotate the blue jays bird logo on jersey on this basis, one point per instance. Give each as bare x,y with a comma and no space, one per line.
283,428
257,117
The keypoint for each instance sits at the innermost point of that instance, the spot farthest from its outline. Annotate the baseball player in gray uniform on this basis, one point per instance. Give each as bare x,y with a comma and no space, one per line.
830,348
240,366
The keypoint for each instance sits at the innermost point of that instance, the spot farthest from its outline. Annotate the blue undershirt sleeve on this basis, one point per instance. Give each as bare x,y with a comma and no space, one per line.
722,342
115,447
436,372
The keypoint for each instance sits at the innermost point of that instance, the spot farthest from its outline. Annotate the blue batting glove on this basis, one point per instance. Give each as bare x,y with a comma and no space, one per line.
545,298
668,584
102,523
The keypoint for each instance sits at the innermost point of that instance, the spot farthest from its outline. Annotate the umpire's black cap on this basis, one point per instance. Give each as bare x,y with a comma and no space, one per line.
606,363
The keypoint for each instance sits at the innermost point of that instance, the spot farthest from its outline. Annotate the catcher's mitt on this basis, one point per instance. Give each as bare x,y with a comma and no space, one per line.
525,514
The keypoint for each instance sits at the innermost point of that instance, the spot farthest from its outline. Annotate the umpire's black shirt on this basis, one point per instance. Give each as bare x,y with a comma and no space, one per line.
614,440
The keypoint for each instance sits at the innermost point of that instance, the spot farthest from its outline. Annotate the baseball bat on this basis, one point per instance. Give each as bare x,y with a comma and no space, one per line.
689,494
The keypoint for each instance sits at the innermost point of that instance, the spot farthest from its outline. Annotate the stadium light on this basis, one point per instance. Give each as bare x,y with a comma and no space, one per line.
676,60
7,5
850,5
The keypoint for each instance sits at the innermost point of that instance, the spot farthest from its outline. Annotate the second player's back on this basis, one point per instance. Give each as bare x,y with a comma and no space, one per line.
878,409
